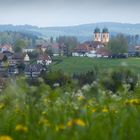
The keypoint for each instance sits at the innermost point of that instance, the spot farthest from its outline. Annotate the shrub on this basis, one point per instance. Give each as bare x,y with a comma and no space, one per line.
86,78
56,77
117,78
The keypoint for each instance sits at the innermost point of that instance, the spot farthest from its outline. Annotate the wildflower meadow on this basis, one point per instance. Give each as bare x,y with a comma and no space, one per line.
70,112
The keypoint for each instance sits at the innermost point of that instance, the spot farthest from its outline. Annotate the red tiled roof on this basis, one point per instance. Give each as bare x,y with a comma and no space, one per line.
103,51
55,45
83,48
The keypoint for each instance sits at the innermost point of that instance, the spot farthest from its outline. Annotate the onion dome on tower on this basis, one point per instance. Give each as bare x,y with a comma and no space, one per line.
105,30
97,30
97,35
105,36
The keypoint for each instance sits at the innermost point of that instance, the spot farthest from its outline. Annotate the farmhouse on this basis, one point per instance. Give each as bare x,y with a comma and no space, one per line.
33,71
6,47
44,59
15,59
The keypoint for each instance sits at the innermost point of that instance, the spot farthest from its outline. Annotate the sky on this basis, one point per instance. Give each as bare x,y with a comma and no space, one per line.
47,13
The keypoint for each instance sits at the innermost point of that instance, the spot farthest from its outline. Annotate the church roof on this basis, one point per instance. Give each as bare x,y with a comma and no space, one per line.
97,30
105,30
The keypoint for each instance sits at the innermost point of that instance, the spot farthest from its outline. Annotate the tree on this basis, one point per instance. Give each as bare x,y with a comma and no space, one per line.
51,39
118,45
19,45
67,44
48,52
33,55
136,39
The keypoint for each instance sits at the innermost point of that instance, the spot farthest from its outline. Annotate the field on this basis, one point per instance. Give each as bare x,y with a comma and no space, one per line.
91,113
72,65
70,111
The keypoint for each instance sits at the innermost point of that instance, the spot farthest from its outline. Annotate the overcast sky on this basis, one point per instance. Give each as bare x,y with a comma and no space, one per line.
46,13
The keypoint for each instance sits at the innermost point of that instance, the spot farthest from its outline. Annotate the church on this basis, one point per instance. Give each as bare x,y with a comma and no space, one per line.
96,47
102,37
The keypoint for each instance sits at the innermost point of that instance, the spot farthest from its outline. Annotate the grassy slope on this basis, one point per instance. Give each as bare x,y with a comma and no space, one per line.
83,64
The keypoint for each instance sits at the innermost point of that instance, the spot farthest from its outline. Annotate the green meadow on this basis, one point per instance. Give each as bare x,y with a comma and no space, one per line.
72,65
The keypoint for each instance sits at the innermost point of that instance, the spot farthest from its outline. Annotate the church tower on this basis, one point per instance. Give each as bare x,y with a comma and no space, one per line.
105,36
97,35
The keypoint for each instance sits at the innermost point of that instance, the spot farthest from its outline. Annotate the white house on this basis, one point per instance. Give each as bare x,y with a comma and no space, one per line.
26,58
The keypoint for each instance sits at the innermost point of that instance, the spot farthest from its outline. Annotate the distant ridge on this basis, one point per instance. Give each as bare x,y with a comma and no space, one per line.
82,32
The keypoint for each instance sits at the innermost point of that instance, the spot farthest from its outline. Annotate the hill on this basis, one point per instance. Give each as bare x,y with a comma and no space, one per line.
82,32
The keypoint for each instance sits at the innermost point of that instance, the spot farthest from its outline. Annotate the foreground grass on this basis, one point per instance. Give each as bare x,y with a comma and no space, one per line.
41,113
72,65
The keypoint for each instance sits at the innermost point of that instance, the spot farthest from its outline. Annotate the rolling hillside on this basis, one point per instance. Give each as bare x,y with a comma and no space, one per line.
82,32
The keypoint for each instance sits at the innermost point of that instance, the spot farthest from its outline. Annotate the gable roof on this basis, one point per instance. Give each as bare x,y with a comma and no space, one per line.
17,56
33,68
43,57
82,48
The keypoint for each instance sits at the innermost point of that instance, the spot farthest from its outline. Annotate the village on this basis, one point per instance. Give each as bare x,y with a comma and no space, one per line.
69,70
32,61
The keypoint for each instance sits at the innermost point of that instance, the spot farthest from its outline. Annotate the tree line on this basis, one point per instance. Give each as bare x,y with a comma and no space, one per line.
12,38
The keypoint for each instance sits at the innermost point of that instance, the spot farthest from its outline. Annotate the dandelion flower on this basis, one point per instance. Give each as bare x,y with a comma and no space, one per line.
132,102
135,101
70,123
5,138
60,127
105,110
44,122
93,110
21,128
77,122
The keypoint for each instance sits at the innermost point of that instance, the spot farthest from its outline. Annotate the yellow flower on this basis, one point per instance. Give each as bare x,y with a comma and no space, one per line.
80,97
93,110
105,110
2,105
135,101
70,123
78,122
5,138
60,127
21,128
132,102
44,122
